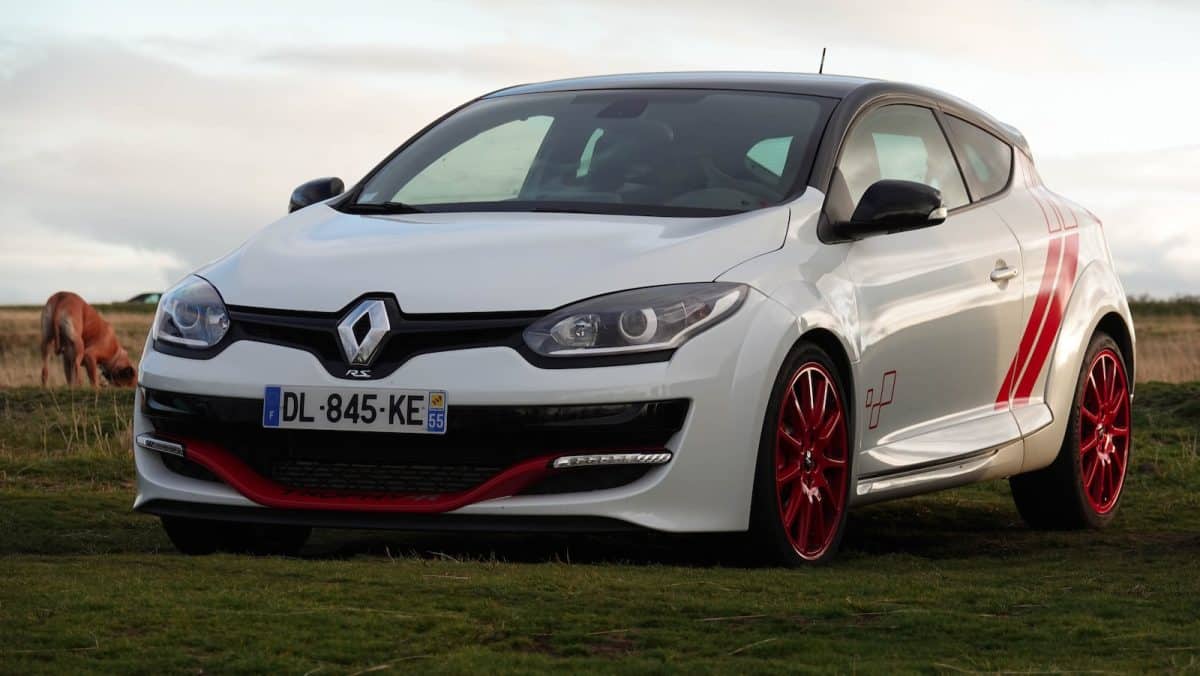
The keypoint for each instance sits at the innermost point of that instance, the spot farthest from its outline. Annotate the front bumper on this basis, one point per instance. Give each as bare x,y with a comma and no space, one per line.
722,378
489,452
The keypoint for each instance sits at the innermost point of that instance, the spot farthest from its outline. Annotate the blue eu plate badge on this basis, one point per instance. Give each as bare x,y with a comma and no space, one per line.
435,417
271,402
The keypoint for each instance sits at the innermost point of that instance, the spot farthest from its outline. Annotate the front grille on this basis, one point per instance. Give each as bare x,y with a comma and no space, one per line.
379,478
410,335
482,441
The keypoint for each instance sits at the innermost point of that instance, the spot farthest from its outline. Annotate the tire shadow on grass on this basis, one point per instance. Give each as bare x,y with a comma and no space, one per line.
963,531
933,528
966,530
632,548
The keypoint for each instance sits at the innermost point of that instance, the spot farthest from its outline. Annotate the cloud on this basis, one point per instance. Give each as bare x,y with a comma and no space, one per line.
35,261
1149,202
502,61
124,144
1011,34
184,141
114,146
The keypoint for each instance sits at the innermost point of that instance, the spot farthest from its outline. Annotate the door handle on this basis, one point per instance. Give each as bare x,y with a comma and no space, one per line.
1003,274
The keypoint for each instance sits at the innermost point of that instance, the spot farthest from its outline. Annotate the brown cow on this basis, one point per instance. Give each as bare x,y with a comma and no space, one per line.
73,329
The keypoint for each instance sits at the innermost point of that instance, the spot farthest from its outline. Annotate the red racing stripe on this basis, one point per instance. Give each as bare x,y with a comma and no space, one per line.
1062,224
1062,292
1074,218
1046,290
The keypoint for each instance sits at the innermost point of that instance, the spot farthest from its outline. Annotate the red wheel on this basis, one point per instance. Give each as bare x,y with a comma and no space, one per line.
810,461
803,477
1082,487
1104,431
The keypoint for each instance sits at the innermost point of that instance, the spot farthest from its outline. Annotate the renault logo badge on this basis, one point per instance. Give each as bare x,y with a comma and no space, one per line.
373,314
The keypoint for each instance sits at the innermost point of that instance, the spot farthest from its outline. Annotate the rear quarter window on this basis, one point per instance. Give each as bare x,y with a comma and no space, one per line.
987,160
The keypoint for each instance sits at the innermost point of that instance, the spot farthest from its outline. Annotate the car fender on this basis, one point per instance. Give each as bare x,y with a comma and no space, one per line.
765,343
807,277
806,291
1097,293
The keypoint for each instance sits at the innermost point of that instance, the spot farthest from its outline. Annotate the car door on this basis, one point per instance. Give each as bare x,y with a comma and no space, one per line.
939,308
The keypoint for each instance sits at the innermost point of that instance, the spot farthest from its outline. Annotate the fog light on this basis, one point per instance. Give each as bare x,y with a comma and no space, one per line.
153,443
601,459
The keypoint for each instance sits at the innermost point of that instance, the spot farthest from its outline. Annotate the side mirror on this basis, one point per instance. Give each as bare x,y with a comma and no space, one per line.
894,206
316,190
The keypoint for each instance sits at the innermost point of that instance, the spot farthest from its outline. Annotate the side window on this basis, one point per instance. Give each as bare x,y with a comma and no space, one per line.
986,159
490,166
770,154
901,142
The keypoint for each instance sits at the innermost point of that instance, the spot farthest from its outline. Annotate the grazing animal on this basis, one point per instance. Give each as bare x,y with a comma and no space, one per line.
73,329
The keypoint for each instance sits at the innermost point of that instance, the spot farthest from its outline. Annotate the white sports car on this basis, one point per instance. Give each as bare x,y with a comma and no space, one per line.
699,302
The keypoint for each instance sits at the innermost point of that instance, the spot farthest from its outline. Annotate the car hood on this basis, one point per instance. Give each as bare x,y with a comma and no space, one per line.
320,259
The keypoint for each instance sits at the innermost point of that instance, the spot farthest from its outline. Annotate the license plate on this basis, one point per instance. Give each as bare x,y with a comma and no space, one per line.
353,409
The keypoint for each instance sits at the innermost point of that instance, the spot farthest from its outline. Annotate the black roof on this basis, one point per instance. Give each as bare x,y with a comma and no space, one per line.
860,89
836,86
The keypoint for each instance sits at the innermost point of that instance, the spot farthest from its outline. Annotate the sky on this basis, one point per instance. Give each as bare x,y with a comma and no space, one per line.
139,140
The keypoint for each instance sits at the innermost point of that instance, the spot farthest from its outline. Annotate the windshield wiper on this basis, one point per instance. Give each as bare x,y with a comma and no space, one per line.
383,208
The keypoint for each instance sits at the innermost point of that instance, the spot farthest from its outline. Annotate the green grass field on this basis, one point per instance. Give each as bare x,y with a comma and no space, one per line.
946,583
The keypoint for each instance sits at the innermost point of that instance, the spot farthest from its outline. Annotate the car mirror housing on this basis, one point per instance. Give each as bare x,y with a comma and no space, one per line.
890,206
316,190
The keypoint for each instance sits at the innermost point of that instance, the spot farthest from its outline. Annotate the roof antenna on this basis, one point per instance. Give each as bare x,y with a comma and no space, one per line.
821,70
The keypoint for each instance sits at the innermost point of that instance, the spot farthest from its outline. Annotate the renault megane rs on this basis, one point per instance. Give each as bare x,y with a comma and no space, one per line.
701,302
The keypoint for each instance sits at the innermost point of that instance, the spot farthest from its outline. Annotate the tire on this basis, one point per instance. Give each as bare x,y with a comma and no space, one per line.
802,476
198,537
194,537
1082,487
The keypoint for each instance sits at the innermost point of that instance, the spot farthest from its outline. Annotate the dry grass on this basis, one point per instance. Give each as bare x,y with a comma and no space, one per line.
20,336
1168,345
52,438
54,422
1168,348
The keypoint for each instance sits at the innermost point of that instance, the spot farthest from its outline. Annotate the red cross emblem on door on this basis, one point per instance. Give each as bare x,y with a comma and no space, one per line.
875,404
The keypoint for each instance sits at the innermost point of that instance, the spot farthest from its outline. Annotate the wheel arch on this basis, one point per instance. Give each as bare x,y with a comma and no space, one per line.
1114,325
1097,302
832,345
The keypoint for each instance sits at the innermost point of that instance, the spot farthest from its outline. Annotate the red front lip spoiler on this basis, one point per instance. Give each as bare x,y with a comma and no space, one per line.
249,483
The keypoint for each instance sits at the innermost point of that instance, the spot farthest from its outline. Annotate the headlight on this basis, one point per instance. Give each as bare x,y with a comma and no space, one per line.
192,315
641,320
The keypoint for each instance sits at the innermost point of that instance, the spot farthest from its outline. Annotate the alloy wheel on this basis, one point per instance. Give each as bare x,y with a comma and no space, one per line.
811,453
1104,431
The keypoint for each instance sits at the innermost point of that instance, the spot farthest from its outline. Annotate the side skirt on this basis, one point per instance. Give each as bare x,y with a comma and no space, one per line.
972,467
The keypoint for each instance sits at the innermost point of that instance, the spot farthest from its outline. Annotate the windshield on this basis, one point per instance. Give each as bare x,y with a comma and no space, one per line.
656,152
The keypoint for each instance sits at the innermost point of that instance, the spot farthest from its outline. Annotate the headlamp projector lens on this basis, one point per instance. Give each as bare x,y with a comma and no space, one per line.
638,326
